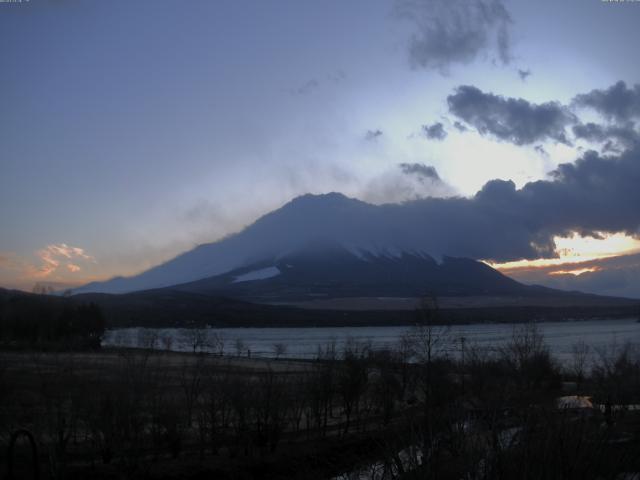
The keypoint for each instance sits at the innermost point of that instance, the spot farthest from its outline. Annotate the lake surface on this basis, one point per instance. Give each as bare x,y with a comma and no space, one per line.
304,342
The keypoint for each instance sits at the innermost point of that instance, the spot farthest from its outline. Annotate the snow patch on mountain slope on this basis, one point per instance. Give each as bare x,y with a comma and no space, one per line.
261,274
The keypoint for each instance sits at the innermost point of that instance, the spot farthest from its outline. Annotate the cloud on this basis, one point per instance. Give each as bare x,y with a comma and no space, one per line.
411,208
520,122
617,103
306,88
405,182
57,256
434,132
420,170
313,84
64,250
447,32
617,276
541,150
372,135
509,119
615,137
524,74
338,76
460,126
502,223
594,194
53,263
73,268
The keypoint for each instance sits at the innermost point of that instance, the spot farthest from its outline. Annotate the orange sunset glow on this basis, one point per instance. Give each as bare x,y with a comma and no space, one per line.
576,249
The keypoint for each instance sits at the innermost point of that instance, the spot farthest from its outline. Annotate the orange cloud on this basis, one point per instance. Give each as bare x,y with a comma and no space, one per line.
576,272
59,265
575,249
56,256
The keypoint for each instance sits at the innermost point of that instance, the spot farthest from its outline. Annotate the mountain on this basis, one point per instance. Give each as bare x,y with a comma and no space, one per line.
332,271
302,221
324,247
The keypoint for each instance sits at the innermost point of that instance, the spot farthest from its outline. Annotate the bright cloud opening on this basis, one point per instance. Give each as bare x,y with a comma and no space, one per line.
577,272
577,249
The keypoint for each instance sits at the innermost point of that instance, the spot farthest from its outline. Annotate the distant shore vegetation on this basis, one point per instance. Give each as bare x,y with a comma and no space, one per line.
49,322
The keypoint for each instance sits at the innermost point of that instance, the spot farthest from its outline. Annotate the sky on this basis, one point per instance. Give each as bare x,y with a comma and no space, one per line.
133,131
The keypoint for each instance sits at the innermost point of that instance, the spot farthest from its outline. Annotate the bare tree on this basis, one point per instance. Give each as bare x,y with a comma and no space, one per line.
616,373
59,395
297,400
580,353
191,382
167,342
351,383
279,349
428,340
527,342
239,346
146,338
195,338
386,384
216,405
215,342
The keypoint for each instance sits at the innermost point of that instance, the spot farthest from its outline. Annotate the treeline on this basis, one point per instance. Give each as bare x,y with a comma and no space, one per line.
173,308
44,321
411,411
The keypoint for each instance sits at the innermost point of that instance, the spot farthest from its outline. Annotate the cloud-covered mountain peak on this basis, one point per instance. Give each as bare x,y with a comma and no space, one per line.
302,221
306,223
500,223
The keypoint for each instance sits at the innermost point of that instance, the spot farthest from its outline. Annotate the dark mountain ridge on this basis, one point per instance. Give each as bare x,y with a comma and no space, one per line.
331,271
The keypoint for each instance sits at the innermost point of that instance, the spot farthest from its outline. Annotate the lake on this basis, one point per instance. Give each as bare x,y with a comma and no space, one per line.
304,342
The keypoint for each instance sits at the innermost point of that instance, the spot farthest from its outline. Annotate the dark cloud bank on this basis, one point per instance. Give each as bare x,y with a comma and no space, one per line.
520,122
613,137
509,119
501,223
618,103
596,193
599,192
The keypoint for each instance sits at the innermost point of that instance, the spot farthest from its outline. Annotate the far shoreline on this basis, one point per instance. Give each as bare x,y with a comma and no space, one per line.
290,317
